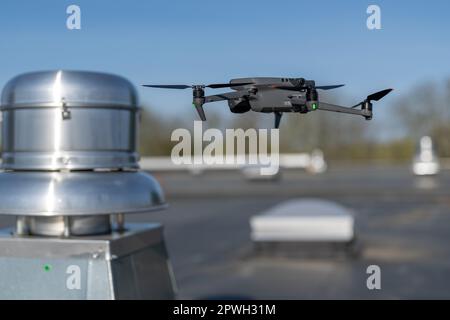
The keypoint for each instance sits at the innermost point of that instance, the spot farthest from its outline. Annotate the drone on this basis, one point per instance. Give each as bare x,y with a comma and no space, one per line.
274,95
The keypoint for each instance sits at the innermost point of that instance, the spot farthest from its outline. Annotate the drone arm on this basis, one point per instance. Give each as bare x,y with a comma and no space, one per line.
336,108
226,96
366,105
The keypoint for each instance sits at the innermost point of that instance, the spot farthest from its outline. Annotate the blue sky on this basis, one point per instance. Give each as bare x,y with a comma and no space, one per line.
213,41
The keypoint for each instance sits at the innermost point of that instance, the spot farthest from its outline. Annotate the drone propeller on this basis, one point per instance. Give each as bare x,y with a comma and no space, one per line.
330,87
374,97
301,88
168,86
184,86
379,95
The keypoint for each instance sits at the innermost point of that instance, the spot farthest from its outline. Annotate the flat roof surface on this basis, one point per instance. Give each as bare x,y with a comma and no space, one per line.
402,221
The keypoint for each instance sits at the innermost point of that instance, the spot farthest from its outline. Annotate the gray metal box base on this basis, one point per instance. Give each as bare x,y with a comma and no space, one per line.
129,265
311,249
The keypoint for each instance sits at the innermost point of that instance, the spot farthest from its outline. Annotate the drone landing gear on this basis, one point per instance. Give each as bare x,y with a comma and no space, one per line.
277,119
198,101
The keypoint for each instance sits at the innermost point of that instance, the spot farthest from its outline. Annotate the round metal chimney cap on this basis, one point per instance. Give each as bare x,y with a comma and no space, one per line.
78,193
75,88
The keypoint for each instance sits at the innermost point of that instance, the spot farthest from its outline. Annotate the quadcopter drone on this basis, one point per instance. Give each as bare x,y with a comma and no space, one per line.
274,95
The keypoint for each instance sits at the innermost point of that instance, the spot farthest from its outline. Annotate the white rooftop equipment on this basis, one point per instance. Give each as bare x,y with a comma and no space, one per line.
313,162
425,161
302,224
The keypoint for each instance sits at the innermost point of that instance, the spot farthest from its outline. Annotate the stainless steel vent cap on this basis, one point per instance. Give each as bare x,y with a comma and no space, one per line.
78,193
73,120
77,88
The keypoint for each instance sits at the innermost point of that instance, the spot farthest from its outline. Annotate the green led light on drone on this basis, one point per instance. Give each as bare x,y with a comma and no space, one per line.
47,267
314,106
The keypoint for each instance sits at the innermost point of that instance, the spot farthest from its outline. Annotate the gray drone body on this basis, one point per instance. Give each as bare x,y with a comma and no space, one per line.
274,95
265,98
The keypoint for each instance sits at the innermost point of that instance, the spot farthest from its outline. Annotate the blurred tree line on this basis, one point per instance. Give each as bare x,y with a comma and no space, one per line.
424,110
